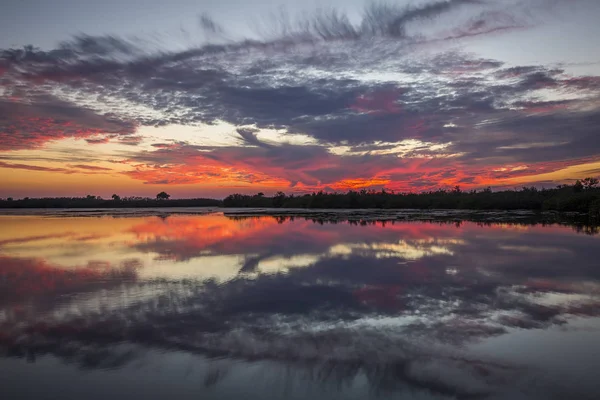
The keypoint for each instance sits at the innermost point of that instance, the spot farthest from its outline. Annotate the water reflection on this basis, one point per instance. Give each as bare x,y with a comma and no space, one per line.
393,304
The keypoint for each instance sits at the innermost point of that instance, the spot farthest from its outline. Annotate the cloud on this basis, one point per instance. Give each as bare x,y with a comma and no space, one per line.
249,137
303,167
486,23
130,140
98,140
362,86
73,169
89,167
32,123
31,167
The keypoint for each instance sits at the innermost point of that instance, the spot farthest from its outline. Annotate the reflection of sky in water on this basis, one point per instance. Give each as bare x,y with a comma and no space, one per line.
435,307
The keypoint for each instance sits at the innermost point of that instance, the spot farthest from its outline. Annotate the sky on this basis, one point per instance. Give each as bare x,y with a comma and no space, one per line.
204,99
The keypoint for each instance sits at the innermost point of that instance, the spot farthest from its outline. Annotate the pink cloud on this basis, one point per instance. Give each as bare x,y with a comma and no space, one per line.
378,102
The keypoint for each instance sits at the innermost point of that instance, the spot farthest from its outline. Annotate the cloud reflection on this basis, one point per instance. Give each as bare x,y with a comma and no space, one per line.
387,300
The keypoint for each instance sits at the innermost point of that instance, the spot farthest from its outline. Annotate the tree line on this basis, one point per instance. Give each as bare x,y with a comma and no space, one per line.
162,199
583,196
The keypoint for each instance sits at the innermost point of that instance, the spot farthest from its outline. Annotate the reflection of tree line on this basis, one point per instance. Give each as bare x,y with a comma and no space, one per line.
577,222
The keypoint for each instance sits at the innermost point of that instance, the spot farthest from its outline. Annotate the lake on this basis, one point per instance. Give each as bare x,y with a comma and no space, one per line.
198,304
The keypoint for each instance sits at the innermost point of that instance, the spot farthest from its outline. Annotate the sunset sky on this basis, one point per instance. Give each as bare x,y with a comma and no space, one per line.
202,98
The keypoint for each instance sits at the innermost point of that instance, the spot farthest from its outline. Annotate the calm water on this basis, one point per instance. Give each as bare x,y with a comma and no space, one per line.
218,307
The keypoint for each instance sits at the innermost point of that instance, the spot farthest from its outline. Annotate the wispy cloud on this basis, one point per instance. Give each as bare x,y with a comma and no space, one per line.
90,167
31,167
358,86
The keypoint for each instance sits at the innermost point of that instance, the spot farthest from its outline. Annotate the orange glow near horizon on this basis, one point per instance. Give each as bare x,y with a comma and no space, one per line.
46,183
195,173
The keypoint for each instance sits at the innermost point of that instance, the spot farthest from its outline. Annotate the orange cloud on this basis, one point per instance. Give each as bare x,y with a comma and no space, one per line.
347,184
309,168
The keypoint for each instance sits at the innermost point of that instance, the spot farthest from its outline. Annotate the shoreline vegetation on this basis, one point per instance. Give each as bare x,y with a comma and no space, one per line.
582,197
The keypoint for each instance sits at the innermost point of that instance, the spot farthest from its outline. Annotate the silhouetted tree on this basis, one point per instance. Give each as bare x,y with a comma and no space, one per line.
594,209
578,198
589,183
116,197
279,199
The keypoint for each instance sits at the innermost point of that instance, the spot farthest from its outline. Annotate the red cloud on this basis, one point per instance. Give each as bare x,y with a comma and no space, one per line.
310,168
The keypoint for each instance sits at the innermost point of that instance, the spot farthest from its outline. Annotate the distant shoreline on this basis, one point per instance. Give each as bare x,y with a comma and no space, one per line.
581,197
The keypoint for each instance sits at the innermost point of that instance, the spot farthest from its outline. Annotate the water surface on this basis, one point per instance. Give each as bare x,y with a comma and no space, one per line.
205,305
